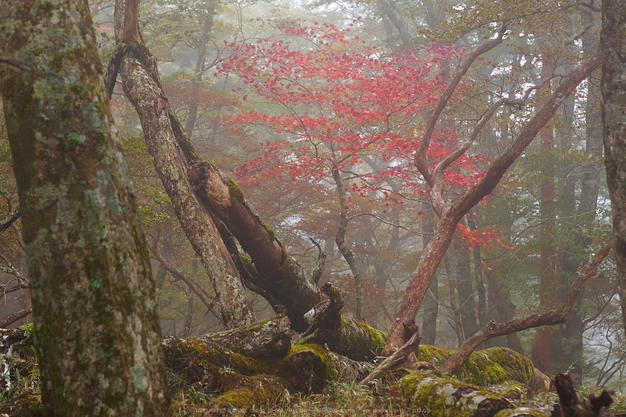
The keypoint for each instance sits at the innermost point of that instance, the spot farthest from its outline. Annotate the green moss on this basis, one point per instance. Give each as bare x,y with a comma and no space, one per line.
268,228
485,367
442,396
216,355
330,372
354,339
235,190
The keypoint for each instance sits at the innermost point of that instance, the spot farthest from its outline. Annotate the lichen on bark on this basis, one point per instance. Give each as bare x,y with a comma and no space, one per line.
96,331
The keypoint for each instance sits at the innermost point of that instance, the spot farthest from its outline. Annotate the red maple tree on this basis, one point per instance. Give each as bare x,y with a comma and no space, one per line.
344,110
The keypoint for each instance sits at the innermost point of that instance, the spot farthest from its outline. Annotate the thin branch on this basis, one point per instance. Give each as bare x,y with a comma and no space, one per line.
178,274
552,317
420,155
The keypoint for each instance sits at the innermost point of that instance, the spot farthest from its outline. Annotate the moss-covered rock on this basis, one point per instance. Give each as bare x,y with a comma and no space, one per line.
521,412
485,367
445,396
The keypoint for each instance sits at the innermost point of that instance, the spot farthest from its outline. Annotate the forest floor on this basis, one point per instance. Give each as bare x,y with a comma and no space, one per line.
351,399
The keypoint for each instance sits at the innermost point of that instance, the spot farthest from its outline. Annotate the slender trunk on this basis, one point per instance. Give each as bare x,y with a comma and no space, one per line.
197,81
540,353
431,303
458,324
465,288
613,41
97,336
478,272
143,88
567,343
340,239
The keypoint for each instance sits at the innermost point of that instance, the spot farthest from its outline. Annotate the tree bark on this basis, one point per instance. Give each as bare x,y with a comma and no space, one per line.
449,217
143,88
279,275
540,352
97,332
613,42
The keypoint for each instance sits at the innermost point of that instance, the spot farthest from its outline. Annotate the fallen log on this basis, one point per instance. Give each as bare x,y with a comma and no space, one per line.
269,339
445,396
355,339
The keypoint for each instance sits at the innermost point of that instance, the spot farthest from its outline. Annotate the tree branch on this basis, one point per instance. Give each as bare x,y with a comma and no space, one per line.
552,317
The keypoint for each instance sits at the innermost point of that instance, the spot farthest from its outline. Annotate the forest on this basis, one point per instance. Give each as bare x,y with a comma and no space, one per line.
313,208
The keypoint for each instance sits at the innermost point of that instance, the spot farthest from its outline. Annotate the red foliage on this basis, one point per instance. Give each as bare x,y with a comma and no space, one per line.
342,100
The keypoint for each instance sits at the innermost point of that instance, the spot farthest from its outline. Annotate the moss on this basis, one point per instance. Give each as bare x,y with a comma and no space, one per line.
354,339
521,412
268,228
235,190
320,351
443,396
258,391
215,355
485,367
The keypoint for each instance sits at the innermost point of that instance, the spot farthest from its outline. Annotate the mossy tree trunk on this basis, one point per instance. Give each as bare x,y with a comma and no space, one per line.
97,336
143,88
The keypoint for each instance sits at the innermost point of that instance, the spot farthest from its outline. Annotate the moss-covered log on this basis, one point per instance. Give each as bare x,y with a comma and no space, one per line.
310,366
355,339
269,339
213,368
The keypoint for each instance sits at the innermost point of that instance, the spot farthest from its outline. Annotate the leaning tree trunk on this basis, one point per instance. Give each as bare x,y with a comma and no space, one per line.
449,217
97,335
142,86
279,277
613,40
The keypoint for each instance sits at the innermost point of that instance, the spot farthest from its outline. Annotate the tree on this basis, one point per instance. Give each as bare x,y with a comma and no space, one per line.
97,336
168,144
347,112
450,215
613,42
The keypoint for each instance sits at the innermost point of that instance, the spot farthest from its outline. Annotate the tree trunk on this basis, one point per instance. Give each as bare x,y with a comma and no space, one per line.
278,275
431,304
449,218
613,41
197,80
465,288
540,353
143,88
340,239
97,331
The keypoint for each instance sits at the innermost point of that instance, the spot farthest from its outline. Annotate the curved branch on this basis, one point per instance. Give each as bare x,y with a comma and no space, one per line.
550,318
420,156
